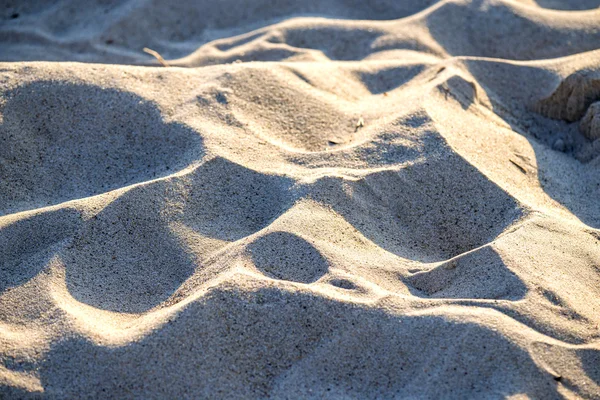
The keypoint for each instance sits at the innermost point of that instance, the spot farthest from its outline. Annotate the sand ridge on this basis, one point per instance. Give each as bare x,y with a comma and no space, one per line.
336,199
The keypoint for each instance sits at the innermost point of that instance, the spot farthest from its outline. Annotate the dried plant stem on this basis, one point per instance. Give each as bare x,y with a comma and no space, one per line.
157,56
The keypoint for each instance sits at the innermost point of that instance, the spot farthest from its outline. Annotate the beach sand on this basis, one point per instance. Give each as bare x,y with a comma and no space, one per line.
317,199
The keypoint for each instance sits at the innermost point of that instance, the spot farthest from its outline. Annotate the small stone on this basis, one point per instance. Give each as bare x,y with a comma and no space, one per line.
221,98
559,145
572,97
451,265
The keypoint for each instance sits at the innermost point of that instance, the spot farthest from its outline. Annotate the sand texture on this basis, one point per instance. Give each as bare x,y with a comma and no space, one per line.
337,199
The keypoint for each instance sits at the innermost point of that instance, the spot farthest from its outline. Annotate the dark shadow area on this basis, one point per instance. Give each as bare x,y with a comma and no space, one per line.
310,346
505,30
227,201
432,210
129,259
561,361
61,141
463,91
590,360
343,284
283,255
28,244
478,275
574,184
116,31
126,259
336,42
389,78
569,5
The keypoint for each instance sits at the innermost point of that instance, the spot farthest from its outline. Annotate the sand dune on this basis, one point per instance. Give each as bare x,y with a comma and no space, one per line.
320,199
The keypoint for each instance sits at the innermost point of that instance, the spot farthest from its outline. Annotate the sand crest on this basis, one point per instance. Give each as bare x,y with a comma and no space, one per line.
317,199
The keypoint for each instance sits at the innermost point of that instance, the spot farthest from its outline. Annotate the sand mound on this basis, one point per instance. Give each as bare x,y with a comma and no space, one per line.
28,242
51,141
455,278
315,356
224,194
127,259
289,117
319,199
429,211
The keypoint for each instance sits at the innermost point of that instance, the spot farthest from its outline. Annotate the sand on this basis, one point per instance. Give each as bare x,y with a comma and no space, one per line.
317,199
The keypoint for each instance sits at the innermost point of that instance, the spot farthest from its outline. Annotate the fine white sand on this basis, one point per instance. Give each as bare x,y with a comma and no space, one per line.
315,199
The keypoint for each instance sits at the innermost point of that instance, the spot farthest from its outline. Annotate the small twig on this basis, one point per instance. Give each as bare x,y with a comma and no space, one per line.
523,170
157,56
359,124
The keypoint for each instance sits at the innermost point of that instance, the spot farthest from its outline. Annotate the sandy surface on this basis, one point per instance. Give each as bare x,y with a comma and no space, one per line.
316,199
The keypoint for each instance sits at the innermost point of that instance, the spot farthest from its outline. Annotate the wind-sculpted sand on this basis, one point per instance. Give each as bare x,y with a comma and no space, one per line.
318,199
